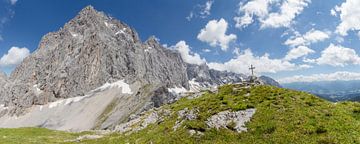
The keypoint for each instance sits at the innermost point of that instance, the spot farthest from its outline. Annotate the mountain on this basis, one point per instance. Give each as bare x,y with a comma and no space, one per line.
233,114
94,73
330,90
90,50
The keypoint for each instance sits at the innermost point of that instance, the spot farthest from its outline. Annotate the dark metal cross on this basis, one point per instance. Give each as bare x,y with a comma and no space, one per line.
252,70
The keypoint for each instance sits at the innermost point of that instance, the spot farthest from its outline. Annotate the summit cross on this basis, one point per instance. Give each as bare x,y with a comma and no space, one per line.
252,70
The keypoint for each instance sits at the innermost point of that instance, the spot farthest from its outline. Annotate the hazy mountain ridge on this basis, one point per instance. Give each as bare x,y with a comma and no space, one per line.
330,90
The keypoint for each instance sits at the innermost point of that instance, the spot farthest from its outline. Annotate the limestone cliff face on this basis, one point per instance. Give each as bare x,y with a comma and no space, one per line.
87,52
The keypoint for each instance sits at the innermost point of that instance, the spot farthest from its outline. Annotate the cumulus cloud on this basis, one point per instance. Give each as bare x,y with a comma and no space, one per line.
308,38
337,55
251,9
298,52
289,9
349,16
214,33
341,75
260,9
187,55
333,12
14,56
263,64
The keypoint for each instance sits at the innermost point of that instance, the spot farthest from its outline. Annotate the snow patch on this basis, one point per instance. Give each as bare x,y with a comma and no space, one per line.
148,49
194,86
37,91
2,107
74,99
125,88
73,34
120,84
108,25
121,31
177,90
56,103
66,101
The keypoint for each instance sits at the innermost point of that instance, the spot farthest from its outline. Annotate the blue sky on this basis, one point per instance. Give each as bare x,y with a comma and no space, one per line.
289,40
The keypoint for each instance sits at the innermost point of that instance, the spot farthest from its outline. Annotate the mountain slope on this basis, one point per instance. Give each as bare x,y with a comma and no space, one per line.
280,116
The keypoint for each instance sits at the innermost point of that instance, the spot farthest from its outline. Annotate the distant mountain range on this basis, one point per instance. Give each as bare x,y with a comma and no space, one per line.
330,90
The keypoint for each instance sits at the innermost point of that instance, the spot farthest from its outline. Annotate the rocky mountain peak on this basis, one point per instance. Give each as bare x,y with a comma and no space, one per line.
152,40
91,50
88,10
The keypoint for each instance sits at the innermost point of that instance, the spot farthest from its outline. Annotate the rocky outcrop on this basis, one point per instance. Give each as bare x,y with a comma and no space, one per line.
185,114
231,120
141,121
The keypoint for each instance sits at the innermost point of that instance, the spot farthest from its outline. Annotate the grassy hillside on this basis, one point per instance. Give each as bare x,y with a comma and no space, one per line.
282,116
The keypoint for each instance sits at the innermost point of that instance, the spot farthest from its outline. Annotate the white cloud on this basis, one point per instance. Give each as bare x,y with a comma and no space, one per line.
336,55
308,38
13,2
214,33
288,10
237,51
252,8
201,11
341,75
206,8
14,56
206,50
349,16
263,64
298,52
190,16
340,39
187,55
333,12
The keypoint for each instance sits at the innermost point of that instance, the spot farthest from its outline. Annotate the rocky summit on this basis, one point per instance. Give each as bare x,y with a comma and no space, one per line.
97,69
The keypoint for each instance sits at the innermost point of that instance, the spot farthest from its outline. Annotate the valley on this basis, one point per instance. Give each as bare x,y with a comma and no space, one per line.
330,90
